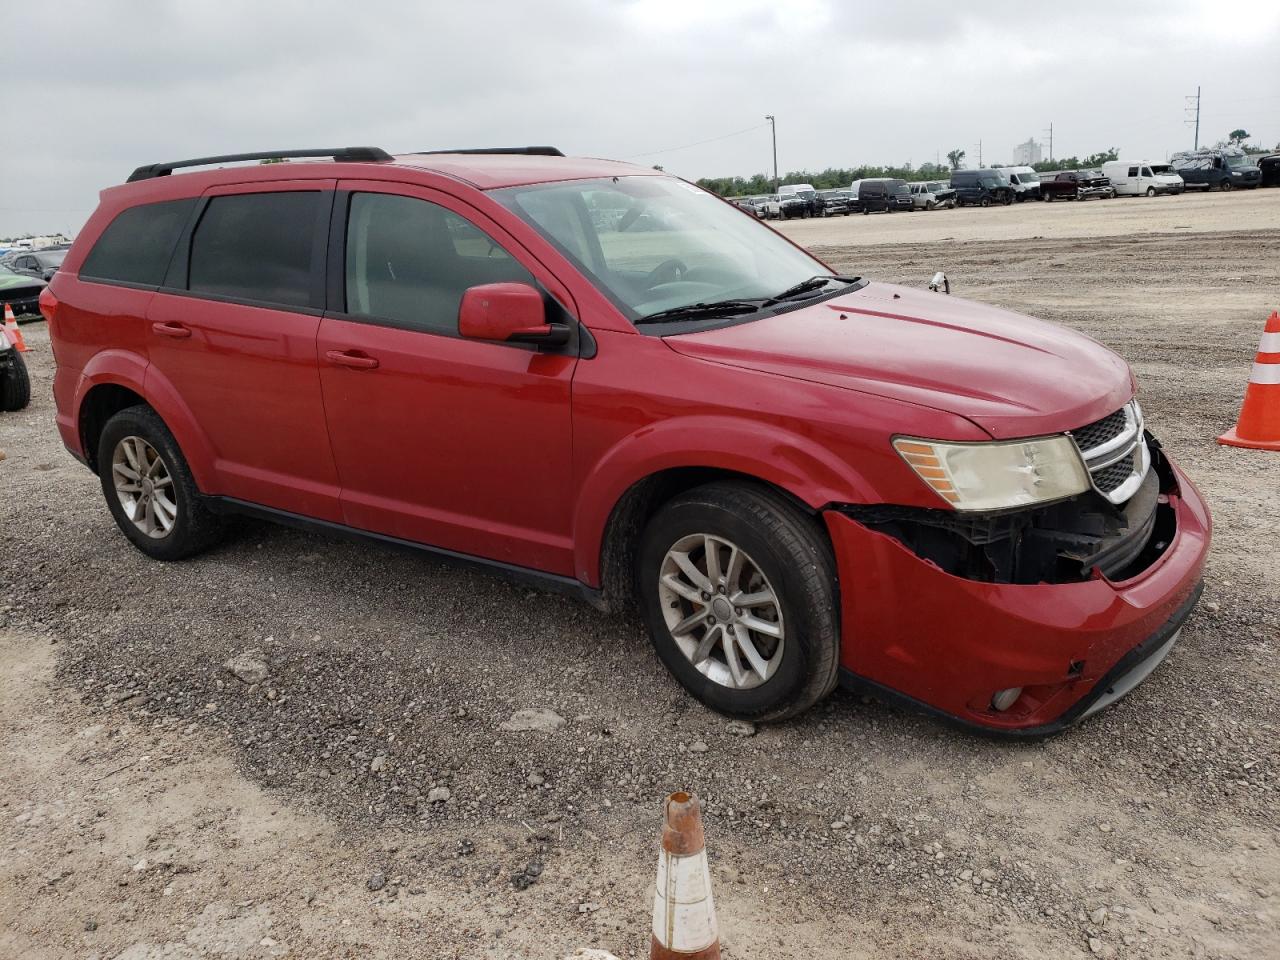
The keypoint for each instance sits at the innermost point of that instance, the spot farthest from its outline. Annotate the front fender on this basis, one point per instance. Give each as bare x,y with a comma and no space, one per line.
805,469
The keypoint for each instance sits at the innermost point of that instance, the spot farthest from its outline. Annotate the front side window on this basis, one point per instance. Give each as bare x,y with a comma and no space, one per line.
409,261
1133,171
258,247
653,243
137,244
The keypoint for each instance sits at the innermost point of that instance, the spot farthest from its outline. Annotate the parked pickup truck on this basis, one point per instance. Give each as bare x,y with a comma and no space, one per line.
1074,185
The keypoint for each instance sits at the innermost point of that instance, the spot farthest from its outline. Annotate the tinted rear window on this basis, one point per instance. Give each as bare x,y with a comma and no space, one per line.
257,246
137,244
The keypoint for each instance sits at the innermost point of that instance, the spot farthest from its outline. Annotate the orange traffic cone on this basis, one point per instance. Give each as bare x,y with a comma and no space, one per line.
11,328
1259,424
684,915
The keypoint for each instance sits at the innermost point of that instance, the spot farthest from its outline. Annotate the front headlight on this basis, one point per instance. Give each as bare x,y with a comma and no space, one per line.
994,476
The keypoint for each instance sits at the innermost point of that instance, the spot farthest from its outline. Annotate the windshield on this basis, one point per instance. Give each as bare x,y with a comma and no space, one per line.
1237,160
989,182
1161,169
52,258
656,243
900,187
1028,178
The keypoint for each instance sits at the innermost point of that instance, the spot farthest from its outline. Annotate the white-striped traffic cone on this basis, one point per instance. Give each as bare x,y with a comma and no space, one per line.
684,914
1259,423
11,328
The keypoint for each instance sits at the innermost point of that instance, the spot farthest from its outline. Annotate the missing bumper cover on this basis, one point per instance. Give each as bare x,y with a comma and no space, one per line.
1060,543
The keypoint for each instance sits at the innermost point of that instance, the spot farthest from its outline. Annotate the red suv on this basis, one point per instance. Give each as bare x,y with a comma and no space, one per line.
603,378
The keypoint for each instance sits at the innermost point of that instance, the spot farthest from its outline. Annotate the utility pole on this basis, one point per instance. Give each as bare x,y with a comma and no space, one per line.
979,154
1196,121
773,125
1050,132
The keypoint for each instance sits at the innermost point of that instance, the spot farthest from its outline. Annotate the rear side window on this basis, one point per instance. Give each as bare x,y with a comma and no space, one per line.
409,261
137,244
259,247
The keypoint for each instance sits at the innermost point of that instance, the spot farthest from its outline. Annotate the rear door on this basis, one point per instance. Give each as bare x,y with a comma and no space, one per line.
461,444
233,334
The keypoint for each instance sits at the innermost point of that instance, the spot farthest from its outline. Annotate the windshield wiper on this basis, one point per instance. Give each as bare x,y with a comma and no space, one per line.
804,286
691,311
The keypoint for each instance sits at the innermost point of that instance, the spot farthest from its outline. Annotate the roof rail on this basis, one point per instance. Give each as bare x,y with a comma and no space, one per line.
347,154
527,151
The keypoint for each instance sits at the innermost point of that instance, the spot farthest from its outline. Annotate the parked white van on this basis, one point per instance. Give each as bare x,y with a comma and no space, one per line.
1025,182
1130,179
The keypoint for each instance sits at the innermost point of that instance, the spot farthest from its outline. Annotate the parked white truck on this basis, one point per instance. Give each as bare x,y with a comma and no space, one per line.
1148,179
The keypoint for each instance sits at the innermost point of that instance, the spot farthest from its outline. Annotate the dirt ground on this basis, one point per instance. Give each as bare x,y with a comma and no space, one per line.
360,796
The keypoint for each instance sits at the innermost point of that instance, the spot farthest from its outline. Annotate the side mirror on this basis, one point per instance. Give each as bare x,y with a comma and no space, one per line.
508,313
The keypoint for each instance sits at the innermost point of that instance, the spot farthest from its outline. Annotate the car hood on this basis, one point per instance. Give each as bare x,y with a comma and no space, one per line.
9,280
1012,375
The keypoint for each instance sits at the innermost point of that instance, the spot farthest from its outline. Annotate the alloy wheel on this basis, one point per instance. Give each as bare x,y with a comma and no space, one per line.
721,610
144,486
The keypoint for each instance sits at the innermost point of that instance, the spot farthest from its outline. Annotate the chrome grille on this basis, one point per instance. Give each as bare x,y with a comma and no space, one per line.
1115,452
1100,431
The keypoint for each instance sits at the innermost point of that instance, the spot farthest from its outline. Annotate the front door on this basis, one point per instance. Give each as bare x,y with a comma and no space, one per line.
460,444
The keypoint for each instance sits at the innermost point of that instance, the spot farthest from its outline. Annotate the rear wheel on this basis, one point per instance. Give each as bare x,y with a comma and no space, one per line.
149,488
15,382
738,592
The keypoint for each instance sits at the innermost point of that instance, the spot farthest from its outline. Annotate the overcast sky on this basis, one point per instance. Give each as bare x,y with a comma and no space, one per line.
98,87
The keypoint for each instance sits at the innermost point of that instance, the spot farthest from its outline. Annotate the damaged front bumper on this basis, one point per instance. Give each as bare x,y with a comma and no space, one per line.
1073,605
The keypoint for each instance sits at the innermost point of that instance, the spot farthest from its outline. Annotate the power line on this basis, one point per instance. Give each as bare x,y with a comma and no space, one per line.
736,133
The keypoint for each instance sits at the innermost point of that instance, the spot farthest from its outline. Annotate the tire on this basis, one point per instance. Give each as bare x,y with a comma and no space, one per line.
1047,197
931,205
1225,186
15,383
1151,191
783,554
194,526
984,202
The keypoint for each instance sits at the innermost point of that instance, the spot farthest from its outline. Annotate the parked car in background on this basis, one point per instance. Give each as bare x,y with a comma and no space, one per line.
1024,181
1269,168
932,195
805,192
36,263
786,207
1074,185
1217,168
20,291
749,205
836,202
793,485
1143,179
882,194
981,188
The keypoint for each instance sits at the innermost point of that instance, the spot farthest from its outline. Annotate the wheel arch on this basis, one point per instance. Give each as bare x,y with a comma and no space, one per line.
619,540
115,383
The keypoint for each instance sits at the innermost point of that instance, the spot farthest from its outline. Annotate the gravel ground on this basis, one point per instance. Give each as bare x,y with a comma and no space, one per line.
309,742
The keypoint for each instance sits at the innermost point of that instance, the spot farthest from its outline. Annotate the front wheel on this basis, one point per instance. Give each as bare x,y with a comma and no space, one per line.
1225,186
15,382
984,202
738,592
1151,191
149,488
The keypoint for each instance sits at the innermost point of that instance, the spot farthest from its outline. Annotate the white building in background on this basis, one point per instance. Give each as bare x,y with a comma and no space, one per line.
1025,154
